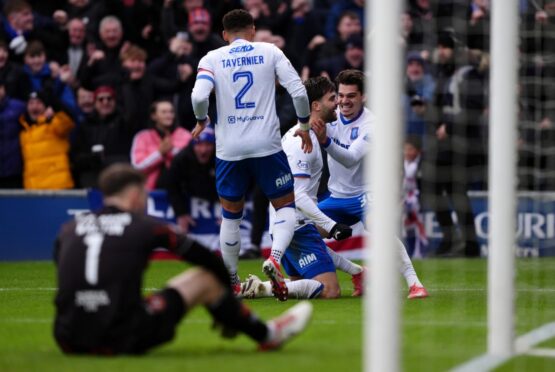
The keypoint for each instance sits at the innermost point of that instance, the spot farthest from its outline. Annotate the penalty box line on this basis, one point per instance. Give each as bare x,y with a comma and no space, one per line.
523,346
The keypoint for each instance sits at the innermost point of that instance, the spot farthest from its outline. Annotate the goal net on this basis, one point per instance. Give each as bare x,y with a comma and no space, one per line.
476,138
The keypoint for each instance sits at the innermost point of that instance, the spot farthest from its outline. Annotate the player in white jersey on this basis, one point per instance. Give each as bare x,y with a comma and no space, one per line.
248,143
346,141
308,261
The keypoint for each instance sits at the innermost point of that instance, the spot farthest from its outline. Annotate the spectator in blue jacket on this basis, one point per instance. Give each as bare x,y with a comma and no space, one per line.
337,9
420,90
45,77
11,164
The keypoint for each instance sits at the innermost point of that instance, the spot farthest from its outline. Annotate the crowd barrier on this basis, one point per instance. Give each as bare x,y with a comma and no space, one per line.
30,220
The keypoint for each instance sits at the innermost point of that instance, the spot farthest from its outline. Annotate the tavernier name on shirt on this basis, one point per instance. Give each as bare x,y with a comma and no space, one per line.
243,61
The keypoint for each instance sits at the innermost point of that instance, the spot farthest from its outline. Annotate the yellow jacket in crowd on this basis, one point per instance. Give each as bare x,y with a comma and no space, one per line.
45,147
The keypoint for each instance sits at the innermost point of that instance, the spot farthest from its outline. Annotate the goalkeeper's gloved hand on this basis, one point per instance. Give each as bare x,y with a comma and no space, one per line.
340,231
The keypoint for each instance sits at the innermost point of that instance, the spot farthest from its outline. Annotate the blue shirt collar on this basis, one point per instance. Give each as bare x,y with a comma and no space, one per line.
346,121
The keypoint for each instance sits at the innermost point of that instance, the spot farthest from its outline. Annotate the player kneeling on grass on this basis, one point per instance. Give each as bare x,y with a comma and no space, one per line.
308,261
100,259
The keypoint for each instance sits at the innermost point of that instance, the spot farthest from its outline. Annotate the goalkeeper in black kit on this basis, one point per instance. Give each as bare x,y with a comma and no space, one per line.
100,259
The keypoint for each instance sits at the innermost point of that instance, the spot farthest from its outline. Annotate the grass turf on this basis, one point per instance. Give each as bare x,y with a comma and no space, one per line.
438,333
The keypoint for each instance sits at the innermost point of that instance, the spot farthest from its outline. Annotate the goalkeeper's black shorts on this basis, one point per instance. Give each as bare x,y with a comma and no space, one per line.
150,326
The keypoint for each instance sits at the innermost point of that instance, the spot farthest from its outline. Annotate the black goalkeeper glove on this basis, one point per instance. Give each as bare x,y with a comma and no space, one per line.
340,231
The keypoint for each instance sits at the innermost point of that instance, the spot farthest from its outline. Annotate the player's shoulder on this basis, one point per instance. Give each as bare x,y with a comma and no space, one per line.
368,116
292,143
266,48
289,140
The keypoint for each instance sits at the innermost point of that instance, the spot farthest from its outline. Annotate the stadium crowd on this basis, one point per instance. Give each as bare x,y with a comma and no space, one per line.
82,81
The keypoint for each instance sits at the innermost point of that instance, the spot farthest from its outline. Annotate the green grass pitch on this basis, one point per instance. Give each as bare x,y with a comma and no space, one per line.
438,333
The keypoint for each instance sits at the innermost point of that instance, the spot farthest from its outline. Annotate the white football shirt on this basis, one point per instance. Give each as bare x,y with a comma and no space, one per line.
307,171
348,142
243,75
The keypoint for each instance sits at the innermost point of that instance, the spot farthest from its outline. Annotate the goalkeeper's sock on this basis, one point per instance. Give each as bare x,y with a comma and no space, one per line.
343,264
283,230
234,315
407,269
230,244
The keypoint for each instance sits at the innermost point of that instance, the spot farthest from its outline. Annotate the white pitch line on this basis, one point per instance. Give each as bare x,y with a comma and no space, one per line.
541,352
523,345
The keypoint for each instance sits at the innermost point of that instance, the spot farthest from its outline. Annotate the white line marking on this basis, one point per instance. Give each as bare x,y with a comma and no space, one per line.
541,352
523,345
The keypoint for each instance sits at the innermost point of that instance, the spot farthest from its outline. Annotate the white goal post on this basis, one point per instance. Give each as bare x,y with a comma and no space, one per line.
381,350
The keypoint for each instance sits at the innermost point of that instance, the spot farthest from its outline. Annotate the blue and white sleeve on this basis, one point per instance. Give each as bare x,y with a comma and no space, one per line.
201,91
348,157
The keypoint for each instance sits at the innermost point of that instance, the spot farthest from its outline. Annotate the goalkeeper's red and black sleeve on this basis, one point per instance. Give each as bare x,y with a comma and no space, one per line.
190,251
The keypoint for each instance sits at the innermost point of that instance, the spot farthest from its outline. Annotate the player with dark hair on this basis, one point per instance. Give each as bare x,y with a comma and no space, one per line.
100,259
347,140
308,262
248,143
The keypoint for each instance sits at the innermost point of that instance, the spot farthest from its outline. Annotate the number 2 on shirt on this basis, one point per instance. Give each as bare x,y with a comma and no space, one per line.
238,98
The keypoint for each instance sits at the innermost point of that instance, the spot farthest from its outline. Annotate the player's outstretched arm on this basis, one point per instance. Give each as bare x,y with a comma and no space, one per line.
306,204
347,157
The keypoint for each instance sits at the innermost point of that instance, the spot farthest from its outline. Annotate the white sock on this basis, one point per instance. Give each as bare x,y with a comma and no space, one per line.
230,245
304,288
300,289
283,230
407,269
343,264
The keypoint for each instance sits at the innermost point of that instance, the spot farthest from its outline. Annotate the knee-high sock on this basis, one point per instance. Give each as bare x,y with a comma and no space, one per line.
343,264
407,269
301,289
230,245
283,230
